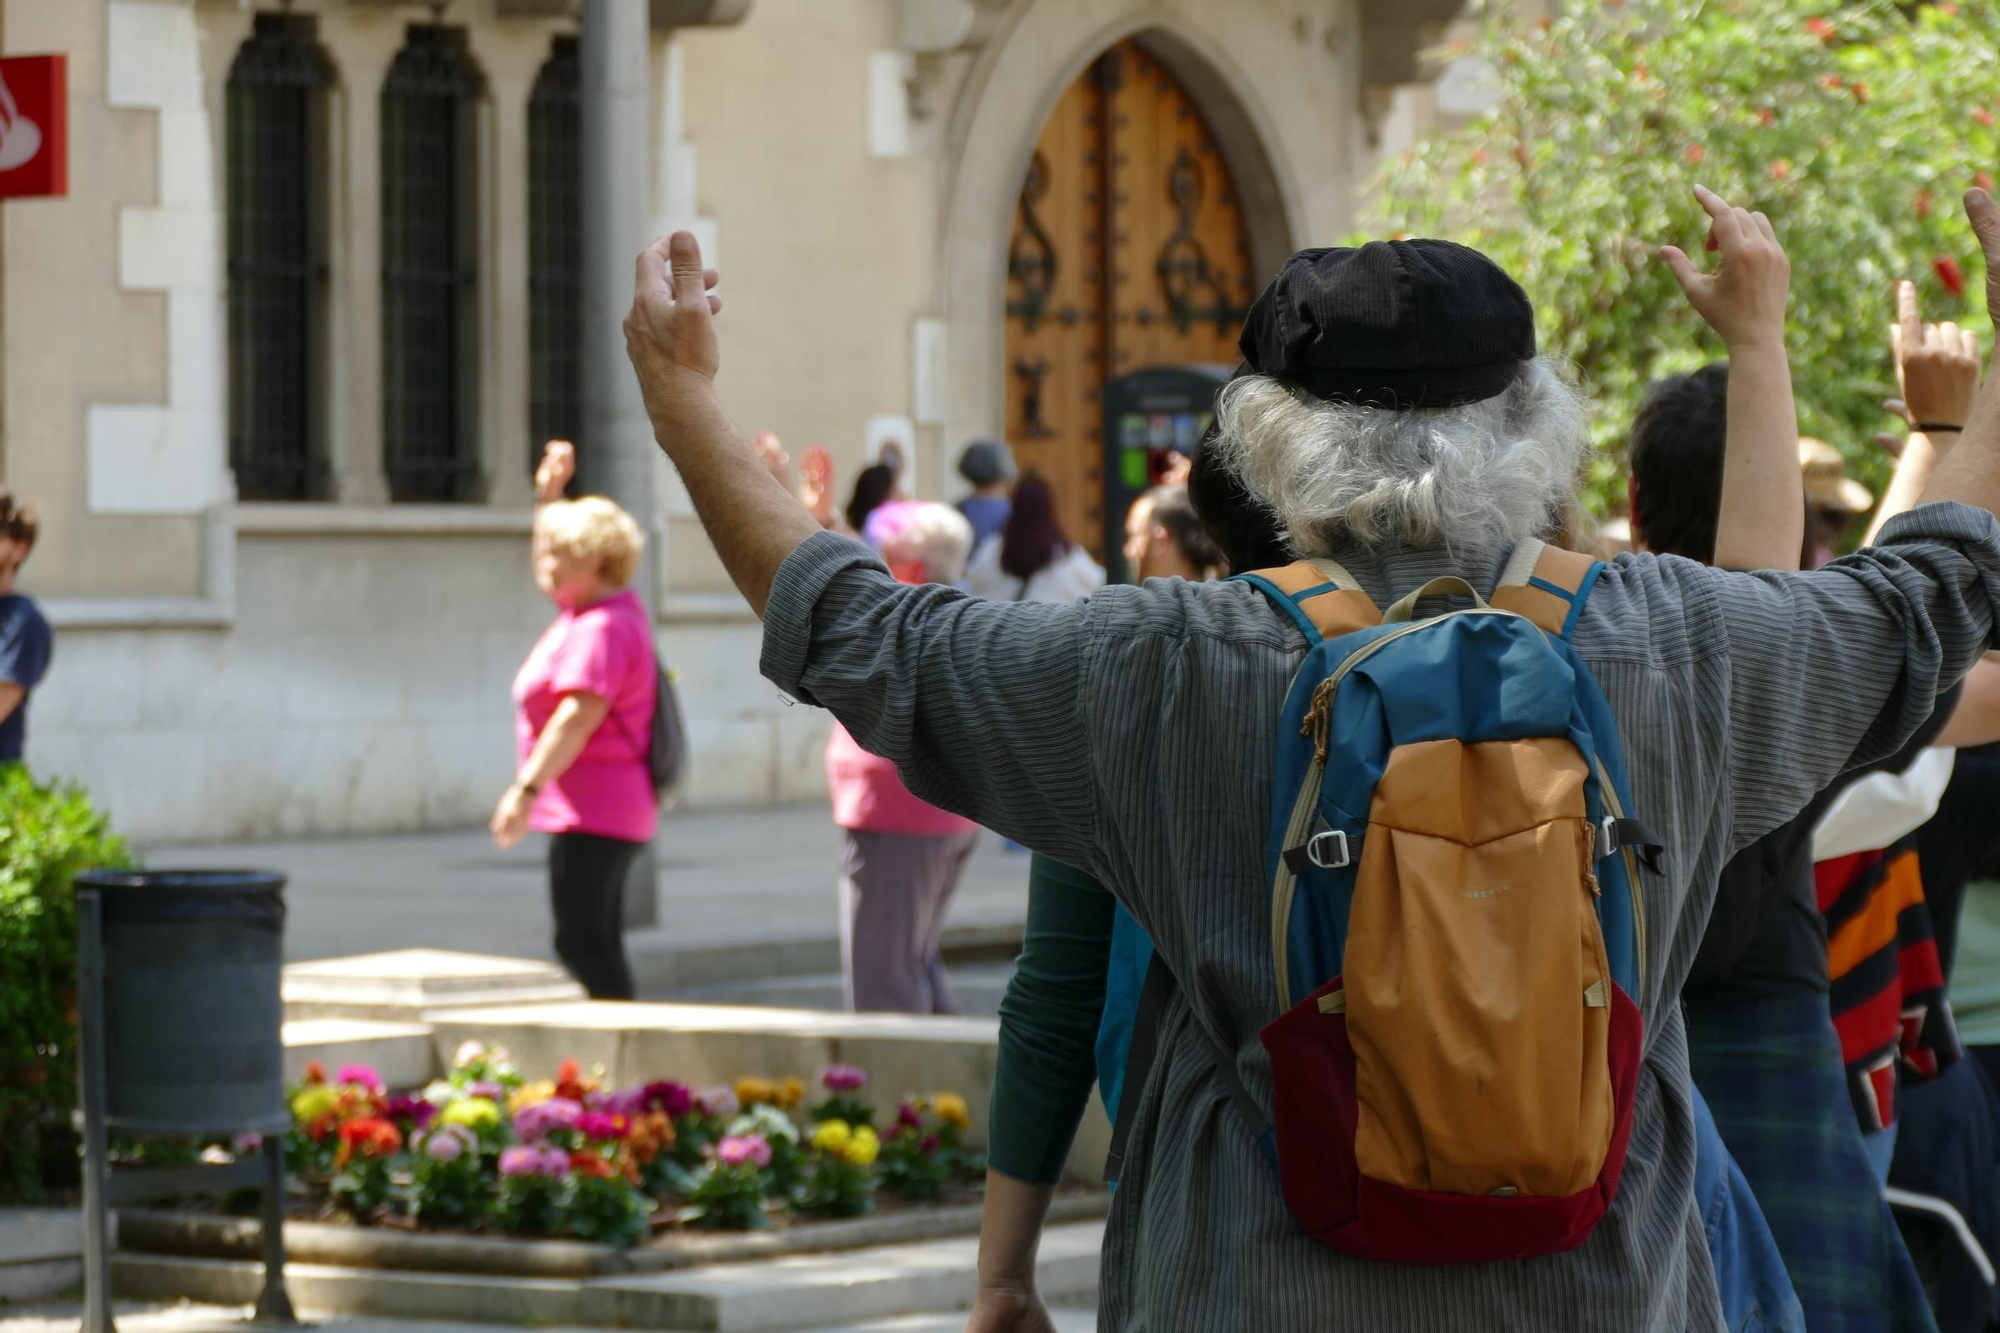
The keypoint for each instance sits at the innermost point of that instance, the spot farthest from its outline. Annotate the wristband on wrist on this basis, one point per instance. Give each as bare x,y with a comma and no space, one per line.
1936,428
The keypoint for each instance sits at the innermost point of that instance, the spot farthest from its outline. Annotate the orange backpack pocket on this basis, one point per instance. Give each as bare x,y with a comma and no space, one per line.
1477,988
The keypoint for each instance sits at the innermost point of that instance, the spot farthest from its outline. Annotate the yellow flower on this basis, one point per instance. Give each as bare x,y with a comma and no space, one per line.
833,1136
951,1108
864,1148
790,1094
530,1093
475,1113
314,1102
756,1092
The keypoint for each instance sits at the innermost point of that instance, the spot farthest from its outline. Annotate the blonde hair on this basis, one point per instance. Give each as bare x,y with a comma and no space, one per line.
592,528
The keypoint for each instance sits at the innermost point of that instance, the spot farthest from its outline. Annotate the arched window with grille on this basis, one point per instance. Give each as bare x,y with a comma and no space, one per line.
275,123
430,242
555,251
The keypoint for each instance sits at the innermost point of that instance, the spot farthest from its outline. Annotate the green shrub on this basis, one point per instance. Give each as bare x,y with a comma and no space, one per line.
1855,126
47,835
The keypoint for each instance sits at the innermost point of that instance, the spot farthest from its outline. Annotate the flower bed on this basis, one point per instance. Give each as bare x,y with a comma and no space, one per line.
487,1150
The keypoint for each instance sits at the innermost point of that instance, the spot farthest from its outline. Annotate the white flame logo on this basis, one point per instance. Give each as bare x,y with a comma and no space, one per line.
20,138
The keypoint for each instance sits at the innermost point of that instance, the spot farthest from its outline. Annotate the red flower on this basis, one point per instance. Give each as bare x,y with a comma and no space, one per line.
1544,23
1641,71
1922,204
367,1137
1949,273
1983,116
568,1071
1830,82
1948,9
1781,170
1860,91
1984,180
1695,153
315,1072
1822,29
1520,155
1479,157
588,1163
1765,115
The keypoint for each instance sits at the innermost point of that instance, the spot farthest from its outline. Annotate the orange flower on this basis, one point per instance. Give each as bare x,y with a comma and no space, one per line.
790,1093
1695,153
1781,170
1984,180
367,1137
315,1072
1983,116
651,1134
587,1163
568,1071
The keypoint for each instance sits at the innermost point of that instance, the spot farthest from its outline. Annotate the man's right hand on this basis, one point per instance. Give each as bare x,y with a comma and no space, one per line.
1744,298
1009,1310
1937,366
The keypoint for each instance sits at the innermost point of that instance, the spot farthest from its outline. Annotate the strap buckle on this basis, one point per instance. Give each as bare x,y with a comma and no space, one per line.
1607,837
1328,850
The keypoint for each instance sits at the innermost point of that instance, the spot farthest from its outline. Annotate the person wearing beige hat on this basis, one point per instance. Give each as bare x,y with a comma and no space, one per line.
1832,500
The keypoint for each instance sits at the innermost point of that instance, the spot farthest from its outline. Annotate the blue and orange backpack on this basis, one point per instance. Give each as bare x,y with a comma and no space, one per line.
1456,926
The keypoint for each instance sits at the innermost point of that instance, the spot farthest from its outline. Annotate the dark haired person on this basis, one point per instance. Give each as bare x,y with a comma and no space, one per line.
1032,559
988,467
1399,422
26,641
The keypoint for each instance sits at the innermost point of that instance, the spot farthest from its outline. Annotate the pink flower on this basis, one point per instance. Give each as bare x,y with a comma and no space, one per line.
843,1078
744,1148
536,1122
488,1089
907,1117
543,1161
599,1125
447,1143
673,1098
364,1075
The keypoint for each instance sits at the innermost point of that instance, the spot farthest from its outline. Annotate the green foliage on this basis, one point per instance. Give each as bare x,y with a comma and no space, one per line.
1855,127
530,1205
454,1193
47,835
607,1210
834,1186
365,1186
728,1197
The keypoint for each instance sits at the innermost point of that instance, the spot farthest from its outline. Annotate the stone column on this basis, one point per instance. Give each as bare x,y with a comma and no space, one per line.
617,195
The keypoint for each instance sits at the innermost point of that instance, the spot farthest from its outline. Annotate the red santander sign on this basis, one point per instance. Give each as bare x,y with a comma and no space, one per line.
34,126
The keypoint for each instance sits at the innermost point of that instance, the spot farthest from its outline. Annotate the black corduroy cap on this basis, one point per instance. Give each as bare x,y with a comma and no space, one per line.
1416,323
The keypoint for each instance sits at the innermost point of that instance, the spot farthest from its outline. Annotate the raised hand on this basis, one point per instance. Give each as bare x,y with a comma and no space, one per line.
1984,215
816,485
1937,367
670,331
1743,299
773,454
557,468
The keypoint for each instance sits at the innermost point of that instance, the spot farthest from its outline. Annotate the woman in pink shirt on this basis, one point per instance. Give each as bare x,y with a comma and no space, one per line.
584,715
902,859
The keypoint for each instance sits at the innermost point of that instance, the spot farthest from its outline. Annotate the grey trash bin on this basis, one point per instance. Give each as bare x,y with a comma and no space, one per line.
178,981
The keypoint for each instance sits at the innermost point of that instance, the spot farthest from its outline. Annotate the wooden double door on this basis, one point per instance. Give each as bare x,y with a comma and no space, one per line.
1129,251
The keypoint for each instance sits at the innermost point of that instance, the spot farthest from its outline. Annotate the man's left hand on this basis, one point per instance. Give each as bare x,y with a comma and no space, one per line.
670,332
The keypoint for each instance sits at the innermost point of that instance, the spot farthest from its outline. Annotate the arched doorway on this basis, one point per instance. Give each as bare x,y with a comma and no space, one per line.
1129,250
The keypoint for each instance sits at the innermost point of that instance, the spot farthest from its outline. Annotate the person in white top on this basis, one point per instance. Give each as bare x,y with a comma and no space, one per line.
1031,559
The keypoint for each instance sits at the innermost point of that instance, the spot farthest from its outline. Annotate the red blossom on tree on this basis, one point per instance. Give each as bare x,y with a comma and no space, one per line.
1695,153
1949,273
1822,29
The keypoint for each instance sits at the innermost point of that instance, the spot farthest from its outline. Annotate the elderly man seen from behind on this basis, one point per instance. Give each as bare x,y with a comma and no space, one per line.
1398,420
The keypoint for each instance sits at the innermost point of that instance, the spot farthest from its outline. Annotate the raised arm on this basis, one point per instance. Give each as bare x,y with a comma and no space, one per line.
751,518
1937,371
1762,519
1970,472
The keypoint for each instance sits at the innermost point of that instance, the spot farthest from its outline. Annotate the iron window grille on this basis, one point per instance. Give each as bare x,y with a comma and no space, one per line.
430,219
275,124
555,251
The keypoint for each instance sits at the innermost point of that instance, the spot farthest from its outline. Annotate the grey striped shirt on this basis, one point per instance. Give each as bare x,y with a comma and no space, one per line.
1132,734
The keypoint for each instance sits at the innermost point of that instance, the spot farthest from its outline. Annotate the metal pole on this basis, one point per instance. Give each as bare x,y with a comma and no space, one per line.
274,1304
618,441
617,185
90,1096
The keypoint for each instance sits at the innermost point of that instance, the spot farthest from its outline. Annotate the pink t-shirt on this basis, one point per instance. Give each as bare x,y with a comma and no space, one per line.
869,797
607,650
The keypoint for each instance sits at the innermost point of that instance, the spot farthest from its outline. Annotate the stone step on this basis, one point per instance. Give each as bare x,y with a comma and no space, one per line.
977,985
1066,1320
799,1292
665,962
403,1053
805,1291
407,985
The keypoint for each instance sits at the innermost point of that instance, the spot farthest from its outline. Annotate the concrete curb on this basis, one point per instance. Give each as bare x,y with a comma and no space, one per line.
801,1291
205,1236
661,964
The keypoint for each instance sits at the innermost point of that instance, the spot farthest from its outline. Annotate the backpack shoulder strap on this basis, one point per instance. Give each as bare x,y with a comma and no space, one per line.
1547,585
1321,597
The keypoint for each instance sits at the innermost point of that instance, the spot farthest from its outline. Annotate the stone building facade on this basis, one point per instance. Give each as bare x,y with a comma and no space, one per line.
274,369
